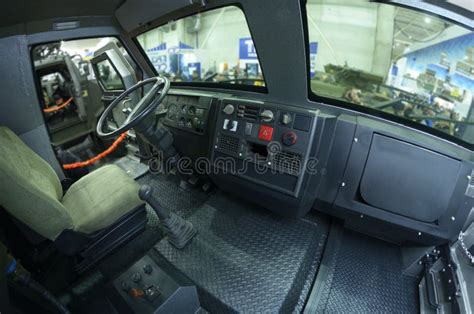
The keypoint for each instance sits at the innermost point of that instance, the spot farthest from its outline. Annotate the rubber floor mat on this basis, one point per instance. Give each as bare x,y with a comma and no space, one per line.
246,259
183,202
366,277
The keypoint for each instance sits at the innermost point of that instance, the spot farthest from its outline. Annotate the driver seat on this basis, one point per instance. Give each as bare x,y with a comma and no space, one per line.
96,214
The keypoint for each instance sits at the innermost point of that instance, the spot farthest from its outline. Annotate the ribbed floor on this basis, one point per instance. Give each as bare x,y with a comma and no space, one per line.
366,277
246,259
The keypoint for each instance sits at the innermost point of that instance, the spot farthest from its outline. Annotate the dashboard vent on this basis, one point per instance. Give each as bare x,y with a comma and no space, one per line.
248,112
287,162
229,144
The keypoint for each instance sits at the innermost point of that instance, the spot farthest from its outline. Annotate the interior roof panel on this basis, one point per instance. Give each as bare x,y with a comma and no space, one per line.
21,11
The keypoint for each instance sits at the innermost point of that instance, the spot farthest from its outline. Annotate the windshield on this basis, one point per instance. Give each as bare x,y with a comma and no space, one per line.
395,60
210,47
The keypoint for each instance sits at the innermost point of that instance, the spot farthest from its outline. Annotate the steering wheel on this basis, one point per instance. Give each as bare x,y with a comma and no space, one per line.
146,106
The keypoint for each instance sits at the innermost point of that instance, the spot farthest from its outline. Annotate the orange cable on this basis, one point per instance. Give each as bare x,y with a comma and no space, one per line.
97,157
56,108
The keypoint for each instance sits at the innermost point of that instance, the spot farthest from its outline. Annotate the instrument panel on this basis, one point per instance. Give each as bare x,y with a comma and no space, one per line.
187,112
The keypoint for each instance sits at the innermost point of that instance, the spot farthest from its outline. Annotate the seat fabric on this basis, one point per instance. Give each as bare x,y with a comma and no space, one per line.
31,191
98,199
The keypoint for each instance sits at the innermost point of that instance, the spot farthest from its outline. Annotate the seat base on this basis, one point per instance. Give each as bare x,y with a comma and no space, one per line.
91,248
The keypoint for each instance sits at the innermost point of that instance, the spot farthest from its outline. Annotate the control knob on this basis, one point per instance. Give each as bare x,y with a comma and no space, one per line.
267,115
147,269
136,277
229,109
289,138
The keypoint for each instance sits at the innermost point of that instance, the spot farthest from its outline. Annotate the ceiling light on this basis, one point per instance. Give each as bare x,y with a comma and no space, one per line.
427,20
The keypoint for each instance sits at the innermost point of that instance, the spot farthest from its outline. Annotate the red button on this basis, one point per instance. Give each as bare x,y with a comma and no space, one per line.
265,133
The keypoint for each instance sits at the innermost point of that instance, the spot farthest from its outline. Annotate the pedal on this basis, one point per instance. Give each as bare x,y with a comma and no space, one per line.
183,185
193,181
207,187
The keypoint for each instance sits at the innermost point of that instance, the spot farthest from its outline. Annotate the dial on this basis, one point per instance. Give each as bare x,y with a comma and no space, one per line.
289,138
192,110
173,112
229,109
189,124
267,115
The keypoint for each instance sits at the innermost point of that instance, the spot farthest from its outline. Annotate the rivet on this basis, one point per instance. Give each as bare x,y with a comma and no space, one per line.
215,146
240,154
269,163
419,233
343,184
361,216
453,218
356,139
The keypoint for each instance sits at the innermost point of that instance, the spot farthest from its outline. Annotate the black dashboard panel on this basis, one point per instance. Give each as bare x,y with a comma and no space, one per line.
266,140
189,118
380,178
281,149
408,180
422,204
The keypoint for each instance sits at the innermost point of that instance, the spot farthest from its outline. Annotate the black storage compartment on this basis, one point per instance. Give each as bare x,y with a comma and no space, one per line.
408,180
403,186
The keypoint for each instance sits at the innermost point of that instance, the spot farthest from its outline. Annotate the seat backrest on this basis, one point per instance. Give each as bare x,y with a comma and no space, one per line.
30,190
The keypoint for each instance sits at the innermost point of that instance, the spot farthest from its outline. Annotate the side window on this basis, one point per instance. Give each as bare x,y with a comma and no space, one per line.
393,59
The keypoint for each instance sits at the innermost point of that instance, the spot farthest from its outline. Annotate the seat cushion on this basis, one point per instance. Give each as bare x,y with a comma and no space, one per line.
98,199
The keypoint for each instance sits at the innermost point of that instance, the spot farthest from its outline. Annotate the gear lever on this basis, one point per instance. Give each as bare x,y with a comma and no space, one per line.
180,231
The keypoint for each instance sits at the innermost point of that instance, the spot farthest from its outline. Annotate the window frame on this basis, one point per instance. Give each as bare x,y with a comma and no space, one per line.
340,103
211,85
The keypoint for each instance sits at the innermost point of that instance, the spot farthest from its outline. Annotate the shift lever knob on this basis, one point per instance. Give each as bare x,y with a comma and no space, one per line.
145,193
180,231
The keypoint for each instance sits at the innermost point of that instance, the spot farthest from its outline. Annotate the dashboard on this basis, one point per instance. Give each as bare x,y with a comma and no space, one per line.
380,178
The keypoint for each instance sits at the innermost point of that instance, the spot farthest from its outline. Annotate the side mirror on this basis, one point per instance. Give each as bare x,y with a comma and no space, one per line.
84,68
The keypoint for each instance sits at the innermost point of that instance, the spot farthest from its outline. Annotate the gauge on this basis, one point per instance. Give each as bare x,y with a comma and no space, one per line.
192,110
184,109
189,124
172,112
